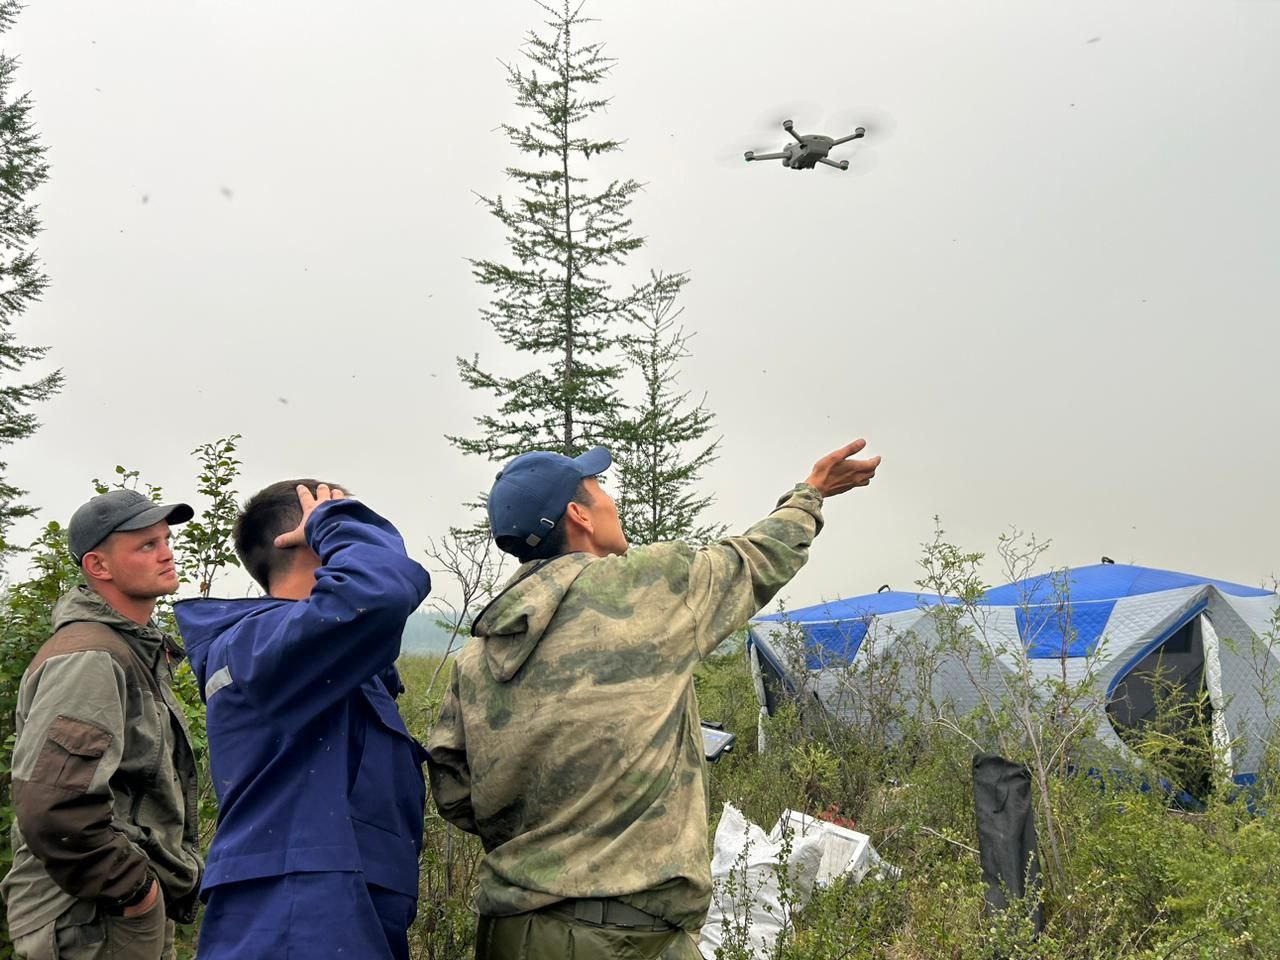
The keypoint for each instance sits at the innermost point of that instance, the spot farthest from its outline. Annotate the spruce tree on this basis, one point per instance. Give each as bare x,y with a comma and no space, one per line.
550,299
22,170
659,453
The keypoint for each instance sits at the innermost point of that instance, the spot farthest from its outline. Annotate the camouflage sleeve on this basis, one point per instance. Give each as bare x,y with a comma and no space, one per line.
731,581
71,744
447,762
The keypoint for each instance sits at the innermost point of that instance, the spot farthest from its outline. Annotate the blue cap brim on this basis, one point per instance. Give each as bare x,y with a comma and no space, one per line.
594,462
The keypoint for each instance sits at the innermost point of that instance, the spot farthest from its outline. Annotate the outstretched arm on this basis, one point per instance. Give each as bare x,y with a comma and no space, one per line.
732,580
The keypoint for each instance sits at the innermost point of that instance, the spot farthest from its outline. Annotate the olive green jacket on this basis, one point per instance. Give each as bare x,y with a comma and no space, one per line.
569,739
104,776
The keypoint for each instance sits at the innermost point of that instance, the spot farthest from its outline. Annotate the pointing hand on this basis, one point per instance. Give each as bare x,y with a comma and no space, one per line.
837,471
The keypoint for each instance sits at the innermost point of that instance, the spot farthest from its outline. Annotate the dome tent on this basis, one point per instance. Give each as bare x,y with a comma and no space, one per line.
1123,623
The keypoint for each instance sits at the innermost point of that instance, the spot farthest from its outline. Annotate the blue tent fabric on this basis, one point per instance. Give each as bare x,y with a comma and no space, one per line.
1042,628
831,644
834,631
1108,581
854,608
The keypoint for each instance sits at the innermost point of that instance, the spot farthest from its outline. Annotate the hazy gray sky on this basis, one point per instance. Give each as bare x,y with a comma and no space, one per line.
1052,303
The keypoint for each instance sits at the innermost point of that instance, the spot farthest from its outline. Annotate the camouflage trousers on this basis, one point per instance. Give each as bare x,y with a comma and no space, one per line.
85,932
548,936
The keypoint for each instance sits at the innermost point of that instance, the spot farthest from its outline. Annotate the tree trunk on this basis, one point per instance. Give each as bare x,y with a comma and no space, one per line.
568,263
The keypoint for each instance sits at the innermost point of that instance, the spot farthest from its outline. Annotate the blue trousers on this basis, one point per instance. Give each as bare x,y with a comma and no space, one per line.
306,915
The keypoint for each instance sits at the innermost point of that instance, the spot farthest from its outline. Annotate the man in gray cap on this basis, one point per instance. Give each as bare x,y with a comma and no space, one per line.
105,837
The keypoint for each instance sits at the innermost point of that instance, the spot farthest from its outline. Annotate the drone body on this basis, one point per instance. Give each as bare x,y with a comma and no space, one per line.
808,151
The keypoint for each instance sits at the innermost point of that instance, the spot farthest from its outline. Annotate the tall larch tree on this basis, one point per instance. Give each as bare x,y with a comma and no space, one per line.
22,282
551,298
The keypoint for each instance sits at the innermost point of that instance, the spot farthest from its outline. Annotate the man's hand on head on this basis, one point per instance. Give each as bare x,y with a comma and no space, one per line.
838,471
297,536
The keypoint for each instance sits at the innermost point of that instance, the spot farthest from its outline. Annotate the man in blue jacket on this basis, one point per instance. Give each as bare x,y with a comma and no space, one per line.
319,784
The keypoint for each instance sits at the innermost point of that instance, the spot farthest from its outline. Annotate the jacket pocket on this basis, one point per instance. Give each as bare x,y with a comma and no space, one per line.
140,936
388,790
373,795
71,753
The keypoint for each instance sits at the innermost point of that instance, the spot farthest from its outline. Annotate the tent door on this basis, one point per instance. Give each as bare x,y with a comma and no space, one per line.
1213,682
1163,688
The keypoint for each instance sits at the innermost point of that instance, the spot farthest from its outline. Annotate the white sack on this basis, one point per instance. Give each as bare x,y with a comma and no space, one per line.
745,888
844,851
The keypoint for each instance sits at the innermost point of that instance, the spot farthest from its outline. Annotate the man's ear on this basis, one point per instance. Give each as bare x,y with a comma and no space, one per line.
95,567
580,516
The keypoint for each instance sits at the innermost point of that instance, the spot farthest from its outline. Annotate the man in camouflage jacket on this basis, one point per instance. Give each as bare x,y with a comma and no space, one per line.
105,838
569,739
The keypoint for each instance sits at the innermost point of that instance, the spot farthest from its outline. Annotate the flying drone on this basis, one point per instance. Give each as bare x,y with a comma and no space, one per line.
809,150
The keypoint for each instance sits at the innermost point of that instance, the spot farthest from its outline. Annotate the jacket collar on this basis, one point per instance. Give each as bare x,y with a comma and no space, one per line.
81,604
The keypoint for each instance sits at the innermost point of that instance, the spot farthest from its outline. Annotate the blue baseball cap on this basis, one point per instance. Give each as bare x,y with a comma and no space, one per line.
533,491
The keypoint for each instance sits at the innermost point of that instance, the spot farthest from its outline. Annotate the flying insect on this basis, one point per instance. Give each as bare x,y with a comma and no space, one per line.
809,150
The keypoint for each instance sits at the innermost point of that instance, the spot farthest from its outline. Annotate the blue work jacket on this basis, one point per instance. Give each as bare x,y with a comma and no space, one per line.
311,762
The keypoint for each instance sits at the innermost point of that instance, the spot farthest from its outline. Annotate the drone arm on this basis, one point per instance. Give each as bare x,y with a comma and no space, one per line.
856,135
838,164
765,156
787,126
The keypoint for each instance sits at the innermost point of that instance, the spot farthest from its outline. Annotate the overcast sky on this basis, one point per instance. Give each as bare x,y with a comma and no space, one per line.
1051,303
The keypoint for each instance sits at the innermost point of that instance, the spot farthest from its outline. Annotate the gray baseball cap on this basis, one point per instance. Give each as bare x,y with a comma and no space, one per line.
118,510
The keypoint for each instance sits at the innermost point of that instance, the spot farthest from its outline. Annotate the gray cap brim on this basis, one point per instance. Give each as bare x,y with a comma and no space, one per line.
171,512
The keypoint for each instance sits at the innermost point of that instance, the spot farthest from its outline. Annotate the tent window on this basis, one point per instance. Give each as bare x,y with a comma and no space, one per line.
1185,641
1173,670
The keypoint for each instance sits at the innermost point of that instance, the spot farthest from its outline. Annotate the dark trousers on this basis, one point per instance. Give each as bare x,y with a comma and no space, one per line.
547,936
306,915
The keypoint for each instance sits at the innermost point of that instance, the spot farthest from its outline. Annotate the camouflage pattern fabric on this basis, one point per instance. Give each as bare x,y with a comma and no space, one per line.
569,739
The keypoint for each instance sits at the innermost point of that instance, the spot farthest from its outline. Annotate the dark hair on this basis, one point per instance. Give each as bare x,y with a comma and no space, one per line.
553,544
268,513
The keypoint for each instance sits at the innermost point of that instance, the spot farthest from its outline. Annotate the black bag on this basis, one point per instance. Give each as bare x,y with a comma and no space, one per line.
1006,833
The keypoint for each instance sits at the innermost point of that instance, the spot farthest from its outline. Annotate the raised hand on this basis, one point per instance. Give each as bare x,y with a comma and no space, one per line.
297,536
837,471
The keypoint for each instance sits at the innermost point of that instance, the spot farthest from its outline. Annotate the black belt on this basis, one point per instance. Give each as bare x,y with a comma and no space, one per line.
608,913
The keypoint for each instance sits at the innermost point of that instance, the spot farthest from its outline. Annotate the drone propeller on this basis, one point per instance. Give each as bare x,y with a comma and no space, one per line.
768,124
879,125
861,160
810,117
766,134
732,156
